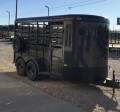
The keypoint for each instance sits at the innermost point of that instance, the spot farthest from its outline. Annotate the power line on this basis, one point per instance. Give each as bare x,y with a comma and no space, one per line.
55,8
87,4
72,4
59,8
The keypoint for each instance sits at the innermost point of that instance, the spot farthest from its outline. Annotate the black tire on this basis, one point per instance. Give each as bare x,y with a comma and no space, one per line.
32,70
21,67
18,44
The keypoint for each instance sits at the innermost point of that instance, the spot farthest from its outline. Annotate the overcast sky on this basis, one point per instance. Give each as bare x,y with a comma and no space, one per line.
35,8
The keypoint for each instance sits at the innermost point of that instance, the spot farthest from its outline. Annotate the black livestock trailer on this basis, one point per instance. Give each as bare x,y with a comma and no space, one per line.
67,46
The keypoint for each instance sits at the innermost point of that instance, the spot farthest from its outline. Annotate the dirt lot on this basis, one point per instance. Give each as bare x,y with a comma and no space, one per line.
91,98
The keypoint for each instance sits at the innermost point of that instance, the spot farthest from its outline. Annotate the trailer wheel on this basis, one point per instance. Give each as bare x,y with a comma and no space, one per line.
18,44
32,71
20,66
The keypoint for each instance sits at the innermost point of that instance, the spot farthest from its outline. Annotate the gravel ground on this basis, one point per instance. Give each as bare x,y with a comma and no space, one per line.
90,98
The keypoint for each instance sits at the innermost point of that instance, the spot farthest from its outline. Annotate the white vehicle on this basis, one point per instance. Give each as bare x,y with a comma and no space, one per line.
11,37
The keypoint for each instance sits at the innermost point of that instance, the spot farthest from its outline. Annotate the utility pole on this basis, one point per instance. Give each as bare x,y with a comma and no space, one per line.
16,9
48,9
8,22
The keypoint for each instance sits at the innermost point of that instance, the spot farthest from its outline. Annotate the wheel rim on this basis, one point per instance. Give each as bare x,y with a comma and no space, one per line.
20,67
31,71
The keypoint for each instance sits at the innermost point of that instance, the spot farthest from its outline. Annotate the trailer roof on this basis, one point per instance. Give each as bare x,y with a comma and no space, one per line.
65,17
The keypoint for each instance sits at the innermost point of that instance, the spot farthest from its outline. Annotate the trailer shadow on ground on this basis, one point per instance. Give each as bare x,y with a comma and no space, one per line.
88,97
